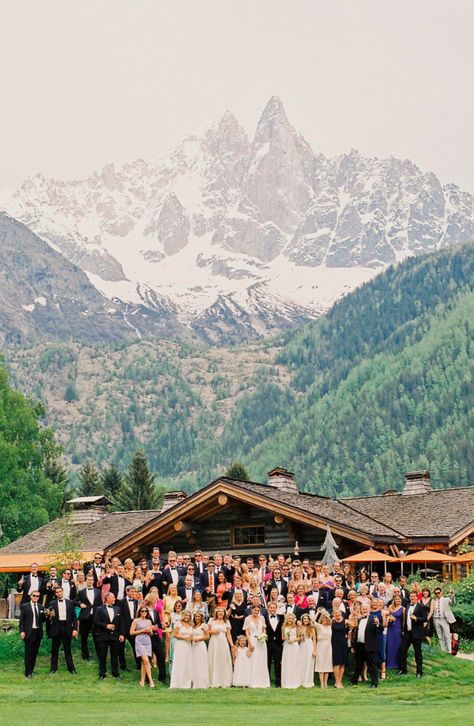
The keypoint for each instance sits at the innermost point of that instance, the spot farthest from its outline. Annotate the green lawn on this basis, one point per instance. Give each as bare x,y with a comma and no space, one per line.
444,696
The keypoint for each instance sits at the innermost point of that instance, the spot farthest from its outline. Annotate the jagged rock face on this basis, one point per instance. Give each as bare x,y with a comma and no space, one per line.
269,211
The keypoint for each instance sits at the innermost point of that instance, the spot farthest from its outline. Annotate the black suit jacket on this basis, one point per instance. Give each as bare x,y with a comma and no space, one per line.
71,620
156,581
101,620
296,610
417,626
125,619
72,590
89,610
283,590
372,634
26,586
90,568
205,582
182,590
274,636
26,620
113,581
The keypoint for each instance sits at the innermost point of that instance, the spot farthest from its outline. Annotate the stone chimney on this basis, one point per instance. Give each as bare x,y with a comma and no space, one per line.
282,479
171,499
417,482
85,510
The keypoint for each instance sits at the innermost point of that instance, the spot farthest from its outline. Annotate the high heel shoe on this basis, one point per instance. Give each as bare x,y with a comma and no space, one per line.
142,684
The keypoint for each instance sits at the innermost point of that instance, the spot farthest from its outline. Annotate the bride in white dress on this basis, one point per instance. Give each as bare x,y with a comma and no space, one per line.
290,662
307,638
220,644
254,626
181,675
200,667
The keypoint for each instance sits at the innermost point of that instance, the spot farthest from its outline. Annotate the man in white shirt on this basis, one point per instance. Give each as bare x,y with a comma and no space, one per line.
108,635
62,629
413,634
30,582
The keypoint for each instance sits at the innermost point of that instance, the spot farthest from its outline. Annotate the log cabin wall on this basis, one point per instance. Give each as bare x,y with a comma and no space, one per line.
215,534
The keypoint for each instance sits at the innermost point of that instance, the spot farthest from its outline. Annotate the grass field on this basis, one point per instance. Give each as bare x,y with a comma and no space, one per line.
444,697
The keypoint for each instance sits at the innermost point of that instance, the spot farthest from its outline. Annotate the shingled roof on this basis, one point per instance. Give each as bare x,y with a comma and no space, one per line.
330,509
438,513
98,535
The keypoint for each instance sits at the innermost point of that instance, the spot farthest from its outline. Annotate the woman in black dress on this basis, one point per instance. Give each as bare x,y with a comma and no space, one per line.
236,615
339,647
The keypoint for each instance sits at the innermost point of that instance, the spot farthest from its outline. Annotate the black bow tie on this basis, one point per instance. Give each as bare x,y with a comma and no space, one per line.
364,617
90,589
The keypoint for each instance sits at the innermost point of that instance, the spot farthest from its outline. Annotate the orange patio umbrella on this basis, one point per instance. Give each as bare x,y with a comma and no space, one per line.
425,556
371,556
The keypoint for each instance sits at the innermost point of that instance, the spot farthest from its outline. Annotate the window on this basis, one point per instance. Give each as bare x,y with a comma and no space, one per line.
242,536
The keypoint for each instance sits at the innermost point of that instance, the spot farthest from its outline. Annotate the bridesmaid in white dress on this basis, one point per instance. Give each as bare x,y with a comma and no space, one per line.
307,638
181,675
200,665
220,645
323,663
254,626
290,662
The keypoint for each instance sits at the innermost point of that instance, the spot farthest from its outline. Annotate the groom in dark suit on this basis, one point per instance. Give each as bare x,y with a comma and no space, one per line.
274,624
366,638
31,630
413,634
88,600
63,628
108,635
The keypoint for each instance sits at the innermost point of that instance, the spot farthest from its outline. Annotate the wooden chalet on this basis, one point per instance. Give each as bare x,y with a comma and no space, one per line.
247,518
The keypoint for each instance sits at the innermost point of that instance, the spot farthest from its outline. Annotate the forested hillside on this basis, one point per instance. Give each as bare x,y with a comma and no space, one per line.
381,384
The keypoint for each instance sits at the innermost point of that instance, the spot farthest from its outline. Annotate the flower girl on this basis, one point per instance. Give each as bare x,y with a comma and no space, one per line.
241,663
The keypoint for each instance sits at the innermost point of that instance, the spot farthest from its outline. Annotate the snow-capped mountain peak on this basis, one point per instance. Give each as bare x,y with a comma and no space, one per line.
228,229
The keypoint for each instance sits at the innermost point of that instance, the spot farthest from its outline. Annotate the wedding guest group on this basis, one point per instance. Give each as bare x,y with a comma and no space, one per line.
220,621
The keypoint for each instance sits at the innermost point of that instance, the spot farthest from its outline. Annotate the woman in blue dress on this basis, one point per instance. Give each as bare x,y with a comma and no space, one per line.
396,616
142,629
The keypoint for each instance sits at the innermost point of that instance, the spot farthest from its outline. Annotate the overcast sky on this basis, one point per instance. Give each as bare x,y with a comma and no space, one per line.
85,83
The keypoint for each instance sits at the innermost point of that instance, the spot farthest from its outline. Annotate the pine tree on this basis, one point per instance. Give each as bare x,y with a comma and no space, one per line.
138,489
329,548
237,471
89,480
58,475
111,482
71,393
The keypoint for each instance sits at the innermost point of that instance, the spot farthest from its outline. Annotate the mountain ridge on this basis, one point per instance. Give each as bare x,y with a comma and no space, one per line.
196,231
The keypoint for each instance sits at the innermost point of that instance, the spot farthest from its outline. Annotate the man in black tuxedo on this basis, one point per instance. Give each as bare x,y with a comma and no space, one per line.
63,628
209,585
155,555
199,565
278,582
290,606
128,607
366,639
96,568
186,590
67,584
117,582
274,624
171,572
157,644
413,634
404,591
191,572
50,584
108,635
30,582
88,600
338,585
31,630
228,568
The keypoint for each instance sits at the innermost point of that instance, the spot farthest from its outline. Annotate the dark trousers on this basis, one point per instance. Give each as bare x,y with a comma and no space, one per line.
363,656
103,648
63,639
85,628
32,646
408,640
158,651
122,660
274,654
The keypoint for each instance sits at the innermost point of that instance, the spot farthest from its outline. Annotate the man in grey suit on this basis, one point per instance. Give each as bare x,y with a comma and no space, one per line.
443,617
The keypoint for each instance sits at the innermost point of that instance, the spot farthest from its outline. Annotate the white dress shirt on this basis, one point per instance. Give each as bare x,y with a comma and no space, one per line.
34,584
111,613
121,587
62,609
361,629
273,622
410,613
33,607
90,594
